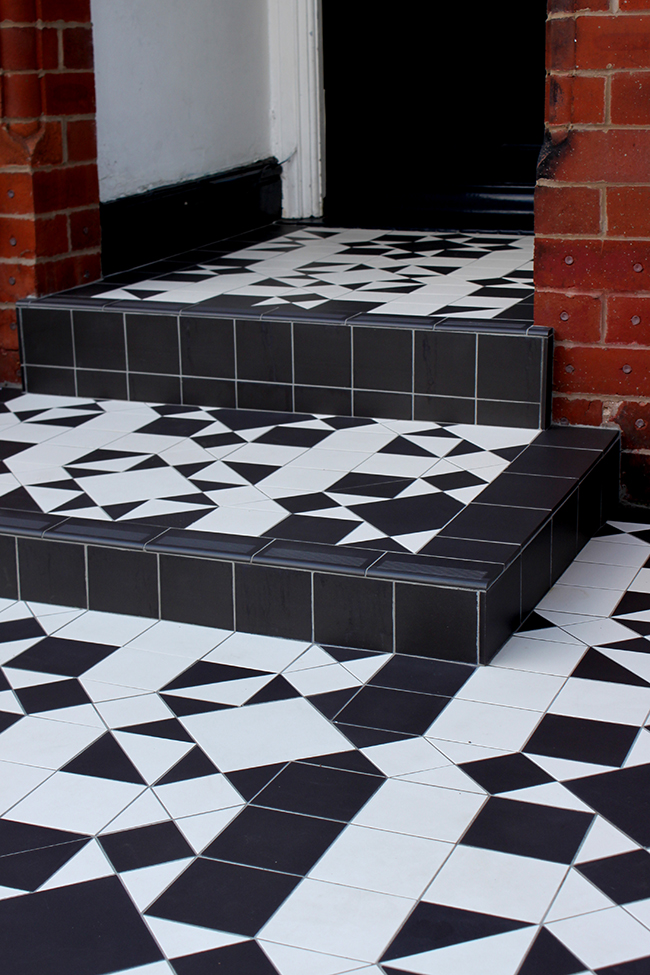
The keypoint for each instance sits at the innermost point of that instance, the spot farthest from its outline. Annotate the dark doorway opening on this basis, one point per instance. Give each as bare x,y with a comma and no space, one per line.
434,113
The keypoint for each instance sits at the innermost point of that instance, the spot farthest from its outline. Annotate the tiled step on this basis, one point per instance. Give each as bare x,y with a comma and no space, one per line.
401,324
388,535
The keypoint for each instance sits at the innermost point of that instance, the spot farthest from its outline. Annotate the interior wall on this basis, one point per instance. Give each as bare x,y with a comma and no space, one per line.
182,90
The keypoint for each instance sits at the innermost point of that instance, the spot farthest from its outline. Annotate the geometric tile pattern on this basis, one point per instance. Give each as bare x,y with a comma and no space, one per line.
242,803
448,275
386,484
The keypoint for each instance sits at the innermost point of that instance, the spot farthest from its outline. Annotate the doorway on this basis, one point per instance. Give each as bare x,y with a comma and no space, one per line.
434,114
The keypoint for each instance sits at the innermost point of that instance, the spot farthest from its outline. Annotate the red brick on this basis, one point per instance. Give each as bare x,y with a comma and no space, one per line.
8,329
85,230
619,42
579,99
622,312
59,189
22,232
72,11
628,211
18,48
633,419
591,4
599,370
20,184
69,93
13,149
22,96
82,141
19,11
567,210
52,236
614,156
53,276
598,265
48,149
560,45
24,278
630,103
634,4
560,6
78,48
9,367
584,412
575,318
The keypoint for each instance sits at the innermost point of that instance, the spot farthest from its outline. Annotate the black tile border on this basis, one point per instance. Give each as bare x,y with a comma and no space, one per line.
56,560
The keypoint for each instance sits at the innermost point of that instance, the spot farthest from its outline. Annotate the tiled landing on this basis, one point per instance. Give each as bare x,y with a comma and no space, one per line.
180,800
362,532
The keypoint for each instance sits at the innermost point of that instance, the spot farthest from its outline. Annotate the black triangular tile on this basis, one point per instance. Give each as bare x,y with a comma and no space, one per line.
400,445
632,602
189,470
167,728
17,837
104,759
464,447
345,653
68,658
638,644
508,453
643,535
549,955
67,421
172,519
80,472
27,414
433,926
279,689
352,761
204,672
74,504
20,500
440,431
218,440
535,622
252,472
23,629
197,498
27,871
212,485
4,683
69,485
244,957
638,626
332,702
194,765
52,696
184,706
365,737
103,454
149,463
596,666
7,719
119,510
250,781
143,294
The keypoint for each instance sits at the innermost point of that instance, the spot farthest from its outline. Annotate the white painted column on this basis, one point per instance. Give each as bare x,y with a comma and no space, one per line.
297,103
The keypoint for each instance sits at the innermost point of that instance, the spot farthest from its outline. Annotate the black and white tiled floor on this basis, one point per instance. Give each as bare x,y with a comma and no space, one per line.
344,271
178,800
386,484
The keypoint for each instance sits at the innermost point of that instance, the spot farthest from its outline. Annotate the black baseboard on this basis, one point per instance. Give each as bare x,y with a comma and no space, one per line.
139,229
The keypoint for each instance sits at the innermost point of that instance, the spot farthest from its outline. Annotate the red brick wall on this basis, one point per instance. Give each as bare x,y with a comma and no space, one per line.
49,196
592,222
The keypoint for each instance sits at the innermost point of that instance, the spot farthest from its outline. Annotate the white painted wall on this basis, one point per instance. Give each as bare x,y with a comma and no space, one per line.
183,90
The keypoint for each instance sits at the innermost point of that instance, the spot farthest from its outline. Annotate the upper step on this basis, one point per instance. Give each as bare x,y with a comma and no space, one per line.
399,324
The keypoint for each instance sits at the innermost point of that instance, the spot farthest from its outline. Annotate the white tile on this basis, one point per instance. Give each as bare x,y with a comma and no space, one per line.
258,652
639,753
600,631
576,896
613,553
138,668
297,961
177,939
325,917
420,810
201,830
89,864
17,781
99,691
365,668
110,628
604,840
133,710
640,910
591,602
145,810
325,459
604,937
512,688
147,883
510,886
500,954
322,680
449,777
395,465
152,756
597,576
237,521
548,794
314,656
81,803
601,700
391,863
408,755
522,652
563,769
641,581
44,744
233,692
484,724
194,796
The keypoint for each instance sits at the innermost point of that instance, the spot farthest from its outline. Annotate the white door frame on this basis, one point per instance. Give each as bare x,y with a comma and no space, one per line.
297,116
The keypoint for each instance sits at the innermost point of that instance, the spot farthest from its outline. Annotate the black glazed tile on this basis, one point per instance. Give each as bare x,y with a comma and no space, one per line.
509,368
148,310
500,611
399,516
547,954
88,928
131,849
580,740
427,569
19,837
585,438
311,528
398,406
436,622
52,696
425,676
48,380
615,795
305,555
596,666
207,347
27,871
443,409
353,612
501,553
52,572
122,582
528,829
506,773
590,499
161,389
264,396
99,340
554,461
8,568
224,896
24,629
69,658
353,761
565,536
407,712
314,790
527,491
393,321
536,569
264,351
493,523
383,359
236,548
365,737
250,781
124,534
245,956
108,385
152,342
445,363
637,967
105,759
322,355
47,336
208,392
622,878
195,590
507,414
273,601
274,840
320,399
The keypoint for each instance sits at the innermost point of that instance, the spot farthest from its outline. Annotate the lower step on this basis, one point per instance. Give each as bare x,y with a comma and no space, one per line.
420,538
